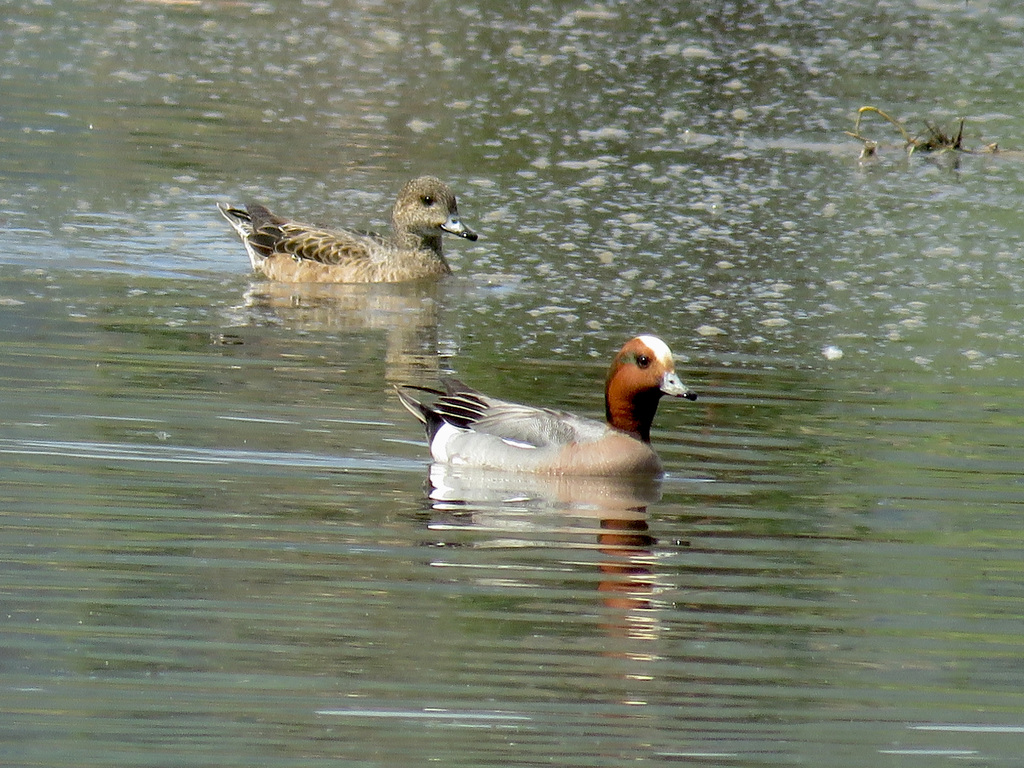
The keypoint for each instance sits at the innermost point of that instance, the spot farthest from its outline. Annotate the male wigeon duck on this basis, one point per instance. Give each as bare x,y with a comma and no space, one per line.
467,428
300,253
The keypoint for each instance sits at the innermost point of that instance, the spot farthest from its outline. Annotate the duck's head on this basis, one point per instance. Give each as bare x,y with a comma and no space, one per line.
426,206
642,372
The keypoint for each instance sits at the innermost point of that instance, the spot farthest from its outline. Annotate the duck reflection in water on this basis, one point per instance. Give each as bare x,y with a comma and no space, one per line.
604,516
405,313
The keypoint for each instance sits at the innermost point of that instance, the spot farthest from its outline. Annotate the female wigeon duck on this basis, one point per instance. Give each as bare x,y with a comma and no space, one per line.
300,253
467,428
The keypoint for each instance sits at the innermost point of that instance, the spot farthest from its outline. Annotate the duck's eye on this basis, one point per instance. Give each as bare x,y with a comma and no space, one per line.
428,200
642,361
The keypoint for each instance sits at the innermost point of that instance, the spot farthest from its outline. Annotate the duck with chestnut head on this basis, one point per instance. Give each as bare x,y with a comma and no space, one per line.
468,428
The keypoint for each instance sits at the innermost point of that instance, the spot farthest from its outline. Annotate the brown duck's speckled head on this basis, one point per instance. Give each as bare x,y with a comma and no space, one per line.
426,207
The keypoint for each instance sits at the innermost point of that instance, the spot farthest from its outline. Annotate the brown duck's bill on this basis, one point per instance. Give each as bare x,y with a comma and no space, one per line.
455,227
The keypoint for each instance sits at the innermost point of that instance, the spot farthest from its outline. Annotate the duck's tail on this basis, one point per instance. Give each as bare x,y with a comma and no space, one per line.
247,223
238,218
424,413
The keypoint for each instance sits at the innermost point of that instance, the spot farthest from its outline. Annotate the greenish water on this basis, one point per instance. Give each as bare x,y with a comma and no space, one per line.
223,542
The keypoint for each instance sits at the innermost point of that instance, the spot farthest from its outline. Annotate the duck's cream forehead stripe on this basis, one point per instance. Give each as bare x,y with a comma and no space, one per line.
660,350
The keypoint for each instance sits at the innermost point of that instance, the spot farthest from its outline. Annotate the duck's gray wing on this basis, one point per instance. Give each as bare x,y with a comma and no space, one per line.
513,422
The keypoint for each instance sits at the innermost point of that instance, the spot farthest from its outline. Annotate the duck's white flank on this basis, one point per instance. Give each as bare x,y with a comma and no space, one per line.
442,439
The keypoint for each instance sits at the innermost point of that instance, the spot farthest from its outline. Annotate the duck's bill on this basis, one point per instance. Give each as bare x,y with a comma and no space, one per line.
672,385
456,227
